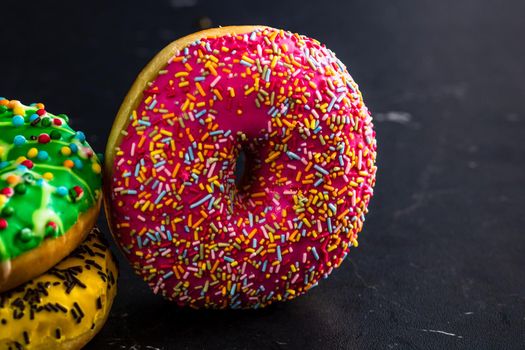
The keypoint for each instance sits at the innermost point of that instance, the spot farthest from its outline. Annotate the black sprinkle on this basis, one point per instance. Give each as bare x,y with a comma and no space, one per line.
29,296
26,338
74,313
61,308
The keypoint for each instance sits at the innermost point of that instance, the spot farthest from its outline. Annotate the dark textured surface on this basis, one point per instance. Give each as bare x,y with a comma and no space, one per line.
441,262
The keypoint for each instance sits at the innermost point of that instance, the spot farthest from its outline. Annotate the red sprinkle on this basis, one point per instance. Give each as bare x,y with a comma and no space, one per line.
44,138
8,191
57,121
28,164
3,224
79,191
52,224
41,112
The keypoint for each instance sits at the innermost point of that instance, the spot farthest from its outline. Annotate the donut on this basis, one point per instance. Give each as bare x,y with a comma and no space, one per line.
50,190
66,306
194,231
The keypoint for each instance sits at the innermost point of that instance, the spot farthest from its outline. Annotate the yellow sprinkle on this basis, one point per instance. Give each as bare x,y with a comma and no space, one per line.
200,89
32,153
48,176
66,151
273,156
19,110
145,206
97,169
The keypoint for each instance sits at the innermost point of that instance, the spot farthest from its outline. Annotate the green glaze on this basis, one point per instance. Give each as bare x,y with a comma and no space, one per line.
36,201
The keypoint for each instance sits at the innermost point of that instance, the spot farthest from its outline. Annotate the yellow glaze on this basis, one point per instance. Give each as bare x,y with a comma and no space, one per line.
65,307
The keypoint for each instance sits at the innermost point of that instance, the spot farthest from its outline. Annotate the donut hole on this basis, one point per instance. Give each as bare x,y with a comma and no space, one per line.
240,170
248,165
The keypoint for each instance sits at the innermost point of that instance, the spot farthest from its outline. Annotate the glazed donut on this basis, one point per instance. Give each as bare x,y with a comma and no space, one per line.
198,235
66,306
50,190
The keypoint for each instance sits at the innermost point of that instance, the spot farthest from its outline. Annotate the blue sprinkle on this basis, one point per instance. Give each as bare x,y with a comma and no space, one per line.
19,140
4,164
245,63
293,155
314,252
78,163
199,202
80,136
62,191
33,118
159,198
18,121
153,238
42,155
200,114
321,170
159,164
152,105
167,275
73,147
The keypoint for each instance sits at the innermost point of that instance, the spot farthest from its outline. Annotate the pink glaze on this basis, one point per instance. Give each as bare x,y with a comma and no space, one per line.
187,229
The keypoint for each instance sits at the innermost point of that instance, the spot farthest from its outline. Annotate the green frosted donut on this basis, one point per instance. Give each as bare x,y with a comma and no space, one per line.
49,176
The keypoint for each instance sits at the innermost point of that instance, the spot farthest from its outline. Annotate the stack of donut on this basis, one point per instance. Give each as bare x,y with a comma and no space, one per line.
57,280
196,233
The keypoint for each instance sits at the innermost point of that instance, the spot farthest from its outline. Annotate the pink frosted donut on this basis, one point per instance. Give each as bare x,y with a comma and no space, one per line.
195,233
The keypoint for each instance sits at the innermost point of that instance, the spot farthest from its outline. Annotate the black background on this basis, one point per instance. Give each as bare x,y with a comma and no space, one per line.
441,261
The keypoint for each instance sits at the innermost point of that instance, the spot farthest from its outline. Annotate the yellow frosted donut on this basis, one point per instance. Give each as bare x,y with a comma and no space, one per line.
65,307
